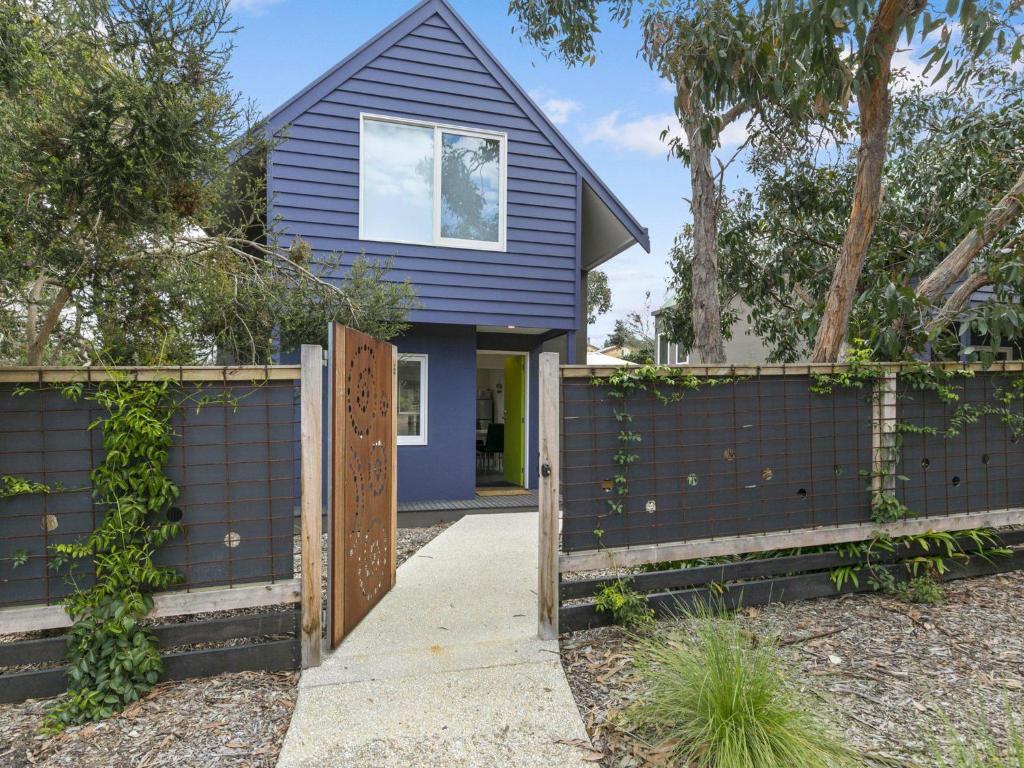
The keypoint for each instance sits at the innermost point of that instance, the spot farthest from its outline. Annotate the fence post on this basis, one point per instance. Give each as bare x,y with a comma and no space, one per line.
311,426
883,436
550,428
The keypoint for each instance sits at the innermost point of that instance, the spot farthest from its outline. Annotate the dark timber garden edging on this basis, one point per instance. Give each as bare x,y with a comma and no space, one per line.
270,655
758,582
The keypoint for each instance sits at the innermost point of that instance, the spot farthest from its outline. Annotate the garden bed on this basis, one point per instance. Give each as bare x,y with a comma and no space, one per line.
235,719
896,678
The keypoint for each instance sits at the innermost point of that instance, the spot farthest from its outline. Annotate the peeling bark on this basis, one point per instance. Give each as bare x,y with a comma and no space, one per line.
874,104
708,344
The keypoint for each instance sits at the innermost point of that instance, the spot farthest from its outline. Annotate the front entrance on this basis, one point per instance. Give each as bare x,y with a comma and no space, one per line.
501,420
364,491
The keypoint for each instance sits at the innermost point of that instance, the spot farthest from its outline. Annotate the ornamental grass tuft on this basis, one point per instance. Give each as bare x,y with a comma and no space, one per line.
722,699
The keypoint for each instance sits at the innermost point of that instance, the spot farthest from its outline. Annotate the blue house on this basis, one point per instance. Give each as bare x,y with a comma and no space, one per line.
420,148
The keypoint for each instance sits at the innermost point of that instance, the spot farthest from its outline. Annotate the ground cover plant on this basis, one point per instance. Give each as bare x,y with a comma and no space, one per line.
717,697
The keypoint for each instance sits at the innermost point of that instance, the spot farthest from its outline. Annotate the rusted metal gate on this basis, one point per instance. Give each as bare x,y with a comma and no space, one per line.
363,513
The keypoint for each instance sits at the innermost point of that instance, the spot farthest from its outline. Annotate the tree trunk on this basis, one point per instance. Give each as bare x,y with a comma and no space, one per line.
708,345
874,105
37,345
949,270
956,302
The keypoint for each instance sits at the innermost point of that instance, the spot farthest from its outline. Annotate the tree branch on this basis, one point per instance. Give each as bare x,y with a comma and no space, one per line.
959,259
957,301
38,344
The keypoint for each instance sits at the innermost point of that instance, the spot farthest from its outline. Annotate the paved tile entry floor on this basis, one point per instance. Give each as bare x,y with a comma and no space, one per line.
447,670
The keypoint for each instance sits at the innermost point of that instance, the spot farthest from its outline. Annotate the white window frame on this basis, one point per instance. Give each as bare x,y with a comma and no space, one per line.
421,438
439,128
671,351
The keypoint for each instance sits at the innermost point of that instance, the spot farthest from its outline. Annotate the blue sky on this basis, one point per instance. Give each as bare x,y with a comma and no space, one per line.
612,112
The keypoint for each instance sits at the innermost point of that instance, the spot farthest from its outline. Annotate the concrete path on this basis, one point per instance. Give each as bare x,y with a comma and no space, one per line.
447,670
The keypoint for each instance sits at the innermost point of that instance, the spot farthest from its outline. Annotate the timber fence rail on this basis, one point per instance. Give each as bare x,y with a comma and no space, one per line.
697,462
246,455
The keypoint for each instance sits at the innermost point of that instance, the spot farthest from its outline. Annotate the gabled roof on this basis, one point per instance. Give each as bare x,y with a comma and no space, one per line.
355,61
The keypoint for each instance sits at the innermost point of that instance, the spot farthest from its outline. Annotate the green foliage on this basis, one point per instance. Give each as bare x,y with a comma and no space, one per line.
599,295
133,199
886,508
719,698
627,607
858,372
980,747
18,558
635,332
112,660
17,486
920,571
951,156
667,384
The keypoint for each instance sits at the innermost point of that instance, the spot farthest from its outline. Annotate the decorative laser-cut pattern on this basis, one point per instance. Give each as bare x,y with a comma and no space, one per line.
362,504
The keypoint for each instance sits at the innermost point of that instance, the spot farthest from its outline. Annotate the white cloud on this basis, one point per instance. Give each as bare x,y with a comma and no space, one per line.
558,110
640,135
644,133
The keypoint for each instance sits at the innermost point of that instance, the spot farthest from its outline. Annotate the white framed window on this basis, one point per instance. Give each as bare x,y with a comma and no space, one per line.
412,399
668,352
432,184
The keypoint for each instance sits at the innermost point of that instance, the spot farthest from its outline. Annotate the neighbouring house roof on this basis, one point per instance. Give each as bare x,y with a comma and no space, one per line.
596,358
607,229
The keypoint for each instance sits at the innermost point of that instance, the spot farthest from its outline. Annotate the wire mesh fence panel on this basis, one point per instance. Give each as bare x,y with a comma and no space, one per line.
741,457
749,455
970,458
234,460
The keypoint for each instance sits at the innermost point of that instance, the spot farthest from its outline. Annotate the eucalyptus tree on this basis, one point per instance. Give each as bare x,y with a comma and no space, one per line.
132,205
794,66
949,158
724,62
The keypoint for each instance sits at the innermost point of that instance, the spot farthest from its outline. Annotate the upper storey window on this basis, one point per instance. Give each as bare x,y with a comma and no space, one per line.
431,184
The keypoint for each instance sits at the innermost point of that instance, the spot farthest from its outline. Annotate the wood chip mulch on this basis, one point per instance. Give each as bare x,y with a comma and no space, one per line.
230,720
237,719
894,677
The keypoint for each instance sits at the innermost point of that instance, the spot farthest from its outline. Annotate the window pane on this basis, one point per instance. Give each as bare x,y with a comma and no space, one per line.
398,181
410,408
470,187
662,350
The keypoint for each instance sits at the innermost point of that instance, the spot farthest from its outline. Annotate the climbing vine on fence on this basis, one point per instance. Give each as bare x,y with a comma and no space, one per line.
667,385
112,659
936,549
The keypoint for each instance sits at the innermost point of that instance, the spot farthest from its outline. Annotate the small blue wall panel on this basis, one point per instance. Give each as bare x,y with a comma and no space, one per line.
444,468
429,72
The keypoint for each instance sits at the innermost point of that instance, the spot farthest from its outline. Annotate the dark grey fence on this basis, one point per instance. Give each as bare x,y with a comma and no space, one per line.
763,454
235,462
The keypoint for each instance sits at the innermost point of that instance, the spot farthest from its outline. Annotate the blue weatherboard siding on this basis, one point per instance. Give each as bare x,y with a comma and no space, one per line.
429,66
444,468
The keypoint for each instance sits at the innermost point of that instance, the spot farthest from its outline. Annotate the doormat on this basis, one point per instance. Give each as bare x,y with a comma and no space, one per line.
501,491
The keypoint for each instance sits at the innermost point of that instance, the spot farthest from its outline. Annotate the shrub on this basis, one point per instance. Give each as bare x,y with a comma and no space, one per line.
724,701
627,606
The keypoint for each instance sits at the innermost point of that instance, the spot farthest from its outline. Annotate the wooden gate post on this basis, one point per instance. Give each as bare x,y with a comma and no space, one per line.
311,428
549,430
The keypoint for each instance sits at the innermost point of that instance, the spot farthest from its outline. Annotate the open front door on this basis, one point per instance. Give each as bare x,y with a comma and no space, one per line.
363,476
515,420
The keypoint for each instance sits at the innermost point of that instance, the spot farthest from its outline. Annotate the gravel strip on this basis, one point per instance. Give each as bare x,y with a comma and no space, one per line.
230,720
894,677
